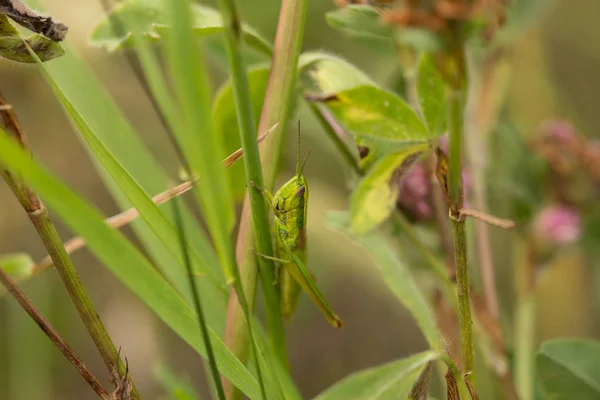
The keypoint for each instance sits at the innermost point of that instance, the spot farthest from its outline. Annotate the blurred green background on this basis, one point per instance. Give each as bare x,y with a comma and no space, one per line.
553,75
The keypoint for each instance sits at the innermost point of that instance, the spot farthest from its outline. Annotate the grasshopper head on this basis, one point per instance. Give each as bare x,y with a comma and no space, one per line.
292,196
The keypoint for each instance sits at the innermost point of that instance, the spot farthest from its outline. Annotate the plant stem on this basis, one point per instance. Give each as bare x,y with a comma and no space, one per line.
254,175
53,335
455,189
276,108
524,329
38,214
486,89
328,124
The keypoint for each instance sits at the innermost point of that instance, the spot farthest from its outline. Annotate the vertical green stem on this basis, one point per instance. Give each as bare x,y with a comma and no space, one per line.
254,174
524,329
455,189
276,109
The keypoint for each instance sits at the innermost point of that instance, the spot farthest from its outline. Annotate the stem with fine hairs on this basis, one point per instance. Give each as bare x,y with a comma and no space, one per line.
40,218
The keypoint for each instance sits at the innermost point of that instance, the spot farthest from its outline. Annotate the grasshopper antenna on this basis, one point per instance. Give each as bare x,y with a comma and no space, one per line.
299,171
298,165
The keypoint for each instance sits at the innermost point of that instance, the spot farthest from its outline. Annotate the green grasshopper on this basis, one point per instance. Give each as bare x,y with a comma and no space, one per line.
289,207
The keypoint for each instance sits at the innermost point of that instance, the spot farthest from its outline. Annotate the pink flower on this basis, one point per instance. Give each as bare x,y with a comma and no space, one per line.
414,192
561,131
558,224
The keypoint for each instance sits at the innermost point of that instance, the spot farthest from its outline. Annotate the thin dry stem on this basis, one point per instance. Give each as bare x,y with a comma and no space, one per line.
53,335
38,214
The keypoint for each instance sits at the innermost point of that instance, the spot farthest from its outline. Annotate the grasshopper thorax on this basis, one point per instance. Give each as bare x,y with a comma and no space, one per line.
292,196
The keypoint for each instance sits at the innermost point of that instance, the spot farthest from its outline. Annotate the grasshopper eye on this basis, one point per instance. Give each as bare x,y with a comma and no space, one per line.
300,191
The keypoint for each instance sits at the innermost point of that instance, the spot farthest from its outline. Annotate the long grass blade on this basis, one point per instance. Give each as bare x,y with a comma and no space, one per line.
197,304
125,261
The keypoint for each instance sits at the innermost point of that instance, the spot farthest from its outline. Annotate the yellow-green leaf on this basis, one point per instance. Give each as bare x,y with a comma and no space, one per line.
375,197
392,381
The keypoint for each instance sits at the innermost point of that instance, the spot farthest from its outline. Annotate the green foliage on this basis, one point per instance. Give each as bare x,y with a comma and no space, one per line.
324,74
18,266
126,262
226,122
202,152
380,120
365,21
146,19
569,369
391,381
177,387
431,90
13,48
360,21
375,197
395,274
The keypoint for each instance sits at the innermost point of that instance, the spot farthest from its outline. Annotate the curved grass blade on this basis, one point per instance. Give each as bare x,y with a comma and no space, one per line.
148,210
126,262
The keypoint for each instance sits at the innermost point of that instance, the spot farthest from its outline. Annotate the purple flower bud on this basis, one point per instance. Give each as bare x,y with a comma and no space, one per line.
558,224
414,192
561,131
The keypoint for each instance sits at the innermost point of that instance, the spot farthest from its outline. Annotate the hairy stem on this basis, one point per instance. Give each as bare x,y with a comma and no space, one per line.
276,109
455,189
38,214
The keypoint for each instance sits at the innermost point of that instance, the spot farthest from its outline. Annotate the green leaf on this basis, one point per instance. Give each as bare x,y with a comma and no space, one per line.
178,387
432,95
18,266
381,121
202,152
396,276
13,48
324,74
391,381
366,22
375,197
150,212
100,111
123,259
150,22
226,122
360,21
569,369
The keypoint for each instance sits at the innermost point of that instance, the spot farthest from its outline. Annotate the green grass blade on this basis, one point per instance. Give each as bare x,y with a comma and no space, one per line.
99,110
198,141
197,303
126,262
149,211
